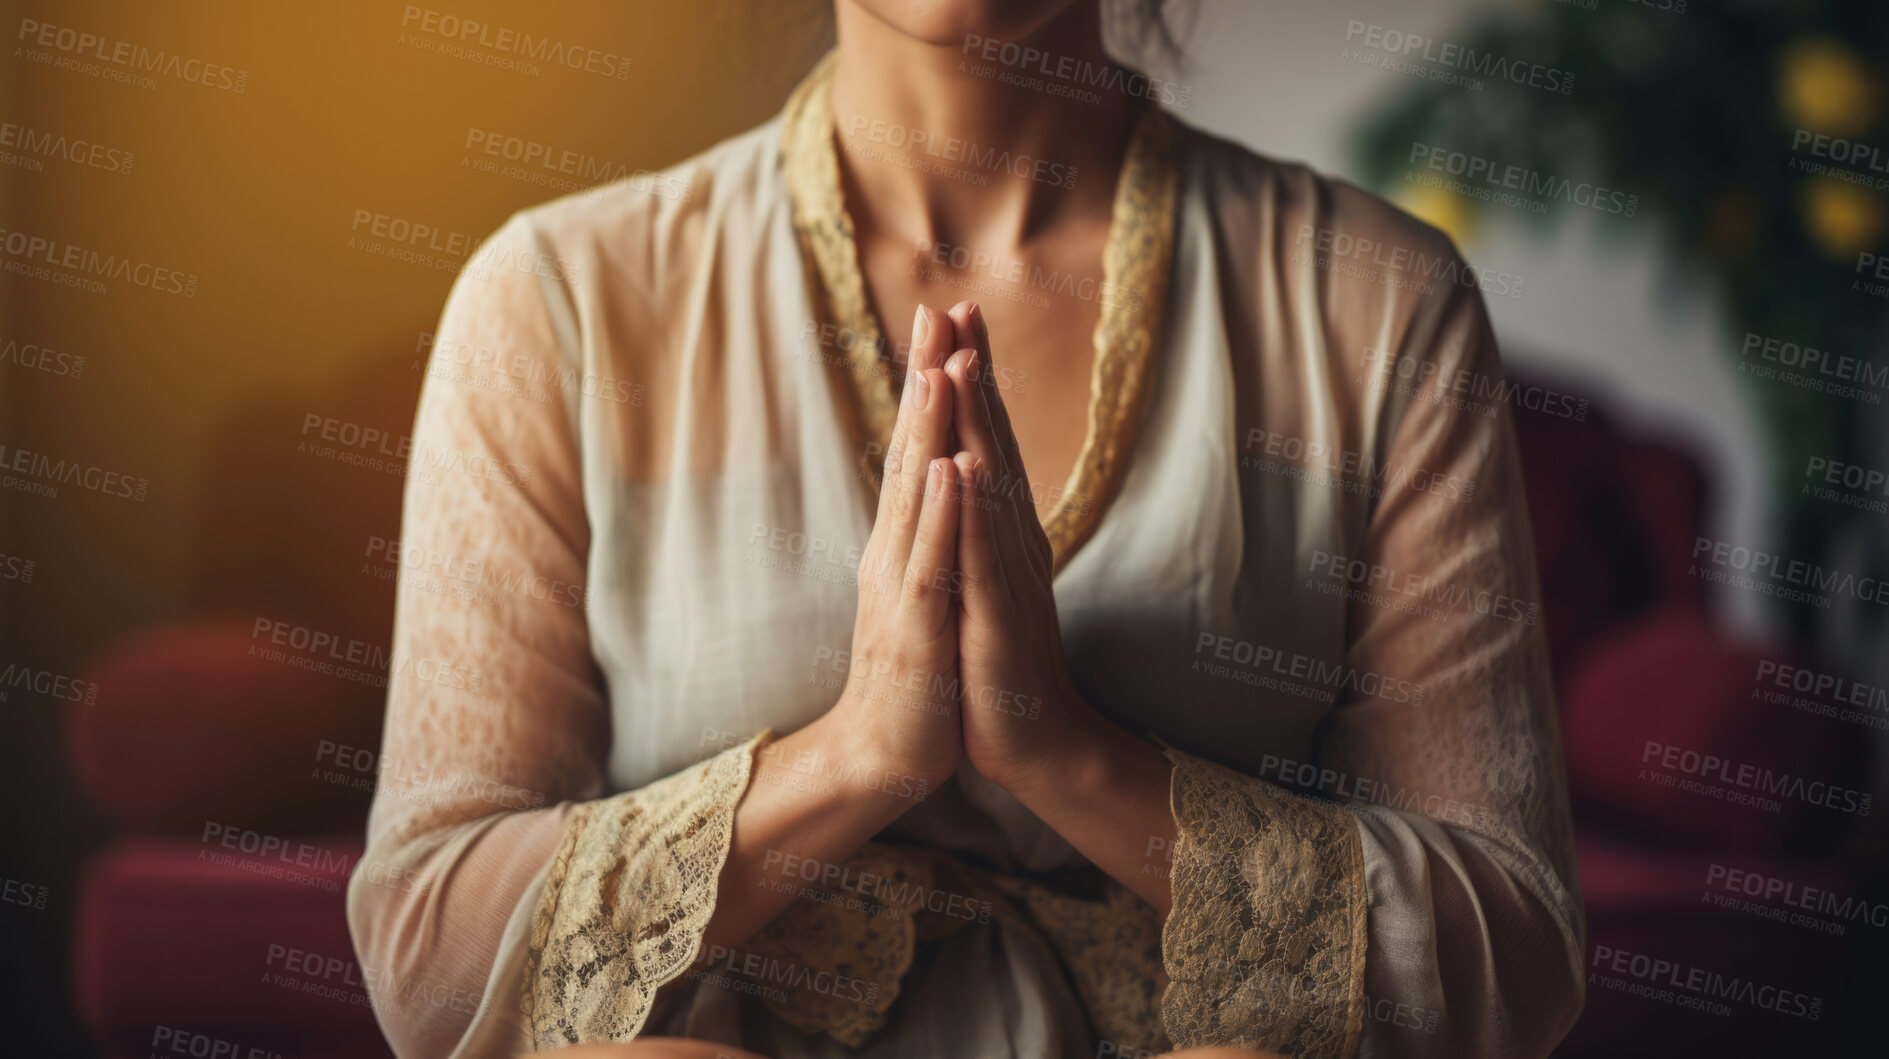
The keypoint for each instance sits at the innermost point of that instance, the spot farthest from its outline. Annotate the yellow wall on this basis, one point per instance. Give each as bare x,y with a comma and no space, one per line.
255,193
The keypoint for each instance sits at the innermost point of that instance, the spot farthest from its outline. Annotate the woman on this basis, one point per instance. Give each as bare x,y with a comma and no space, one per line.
789,711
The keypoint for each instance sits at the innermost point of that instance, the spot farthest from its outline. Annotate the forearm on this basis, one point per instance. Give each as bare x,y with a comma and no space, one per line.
1106,793
816,795
433,908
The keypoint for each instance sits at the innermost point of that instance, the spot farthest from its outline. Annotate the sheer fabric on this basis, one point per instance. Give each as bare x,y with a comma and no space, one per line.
1305,567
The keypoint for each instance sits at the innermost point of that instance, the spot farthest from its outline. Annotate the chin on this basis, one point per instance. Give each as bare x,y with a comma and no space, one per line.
947,22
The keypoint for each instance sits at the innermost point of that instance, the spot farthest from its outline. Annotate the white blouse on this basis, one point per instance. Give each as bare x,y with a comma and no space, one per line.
1285,552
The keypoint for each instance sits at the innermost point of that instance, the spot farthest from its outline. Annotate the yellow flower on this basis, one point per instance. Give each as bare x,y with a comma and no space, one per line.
1823,87
1842,218
1440,208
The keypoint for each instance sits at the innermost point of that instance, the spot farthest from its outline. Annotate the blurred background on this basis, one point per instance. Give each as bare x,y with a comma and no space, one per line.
229,229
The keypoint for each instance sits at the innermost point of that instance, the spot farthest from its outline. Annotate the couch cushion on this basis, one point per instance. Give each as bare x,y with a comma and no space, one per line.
1670,741
180,937
219,722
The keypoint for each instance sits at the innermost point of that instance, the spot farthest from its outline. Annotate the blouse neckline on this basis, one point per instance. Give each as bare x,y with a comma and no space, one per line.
1135,262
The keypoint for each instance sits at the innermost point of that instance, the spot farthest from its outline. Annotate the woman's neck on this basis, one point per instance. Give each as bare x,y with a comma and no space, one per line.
978,133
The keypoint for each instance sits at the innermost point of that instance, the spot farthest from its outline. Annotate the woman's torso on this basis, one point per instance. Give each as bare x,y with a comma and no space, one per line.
725,489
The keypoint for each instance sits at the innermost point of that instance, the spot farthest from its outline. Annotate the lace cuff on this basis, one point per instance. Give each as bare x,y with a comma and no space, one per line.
1265,943
630,892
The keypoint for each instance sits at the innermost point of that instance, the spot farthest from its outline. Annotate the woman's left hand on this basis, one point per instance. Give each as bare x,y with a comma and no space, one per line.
1017,701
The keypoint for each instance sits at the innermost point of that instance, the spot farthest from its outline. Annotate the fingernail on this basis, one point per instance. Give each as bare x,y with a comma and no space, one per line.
924,390
970,366
931,477
977,322
921,325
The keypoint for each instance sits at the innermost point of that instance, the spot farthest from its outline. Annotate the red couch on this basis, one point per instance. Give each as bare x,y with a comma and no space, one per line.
218,915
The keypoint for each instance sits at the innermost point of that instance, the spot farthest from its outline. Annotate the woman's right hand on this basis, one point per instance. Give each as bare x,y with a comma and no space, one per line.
901,694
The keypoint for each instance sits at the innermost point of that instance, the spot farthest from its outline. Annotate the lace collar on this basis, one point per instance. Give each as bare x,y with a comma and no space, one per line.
1135,259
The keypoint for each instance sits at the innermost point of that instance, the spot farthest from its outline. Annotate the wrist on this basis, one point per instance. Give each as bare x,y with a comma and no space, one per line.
850,738
1072,748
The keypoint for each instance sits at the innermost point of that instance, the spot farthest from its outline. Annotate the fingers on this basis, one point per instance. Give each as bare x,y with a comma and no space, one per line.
932,332
928,576
970,415
926,440
932,337
983,427
969,330
977,552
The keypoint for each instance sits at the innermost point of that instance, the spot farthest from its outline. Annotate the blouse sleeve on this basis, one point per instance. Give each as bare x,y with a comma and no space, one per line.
495,867
1421,898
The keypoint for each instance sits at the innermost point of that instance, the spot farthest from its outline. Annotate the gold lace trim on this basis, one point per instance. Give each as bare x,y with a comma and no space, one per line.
1265,945
1135,262
1109,944
630,893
